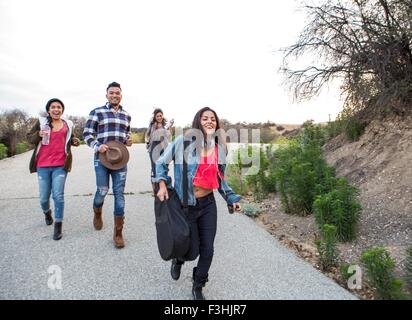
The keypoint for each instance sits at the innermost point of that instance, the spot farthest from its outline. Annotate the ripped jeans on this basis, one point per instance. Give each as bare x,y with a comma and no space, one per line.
52,181
102,181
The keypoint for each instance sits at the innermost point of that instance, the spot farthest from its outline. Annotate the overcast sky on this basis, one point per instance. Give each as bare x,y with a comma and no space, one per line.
180,55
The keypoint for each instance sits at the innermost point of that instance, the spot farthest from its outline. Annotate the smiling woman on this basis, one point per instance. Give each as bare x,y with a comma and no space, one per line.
52,160
205,173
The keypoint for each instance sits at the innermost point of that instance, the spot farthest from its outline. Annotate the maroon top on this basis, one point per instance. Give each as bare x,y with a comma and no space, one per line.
53,154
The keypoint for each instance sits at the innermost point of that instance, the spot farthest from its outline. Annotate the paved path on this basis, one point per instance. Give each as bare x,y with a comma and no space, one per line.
248,264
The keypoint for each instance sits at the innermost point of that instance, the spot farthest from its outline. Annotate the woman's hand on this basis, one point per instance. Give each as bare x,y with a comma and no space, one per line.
43,133
162,193
237,207
76,142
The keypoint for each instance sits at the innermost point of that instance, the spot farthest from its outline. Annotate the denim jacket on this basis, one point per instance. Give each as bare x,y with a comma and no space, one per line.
174,151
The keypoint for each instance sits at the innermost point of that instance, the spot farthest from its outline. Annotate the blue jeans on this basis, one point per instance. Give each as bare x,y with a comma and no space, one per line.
52,180
102,182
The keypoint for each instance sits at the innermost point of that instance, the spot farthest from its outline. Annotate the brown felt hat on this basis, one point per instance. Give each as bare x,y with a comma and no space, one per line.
116,157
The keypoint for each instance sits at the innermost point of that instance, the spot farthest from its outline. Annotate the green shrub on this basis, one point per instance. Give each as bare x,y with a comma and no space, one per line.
251,209
302,182
264,182
334,128
21,147
354,129
328,252
341,208
3,151
409,267
344,271
287,174
379,267
234,179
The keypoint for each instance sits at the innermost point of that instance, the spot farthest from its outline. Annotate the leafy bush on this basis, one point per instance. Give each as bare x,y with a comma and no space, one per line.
328,252
354,129
341,208
3,151
379,266
264,182
251,210
21,147
301,171
235,180
334,128
344,271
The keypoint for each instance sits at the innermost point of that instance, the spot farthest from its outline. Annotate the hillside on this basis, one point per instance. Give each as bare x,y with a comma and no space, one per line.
380,164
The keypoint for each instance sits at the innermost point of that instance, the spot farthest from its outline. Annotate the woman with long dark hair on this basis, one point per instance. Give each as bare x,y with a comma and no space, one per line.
52,160
206,168
157,137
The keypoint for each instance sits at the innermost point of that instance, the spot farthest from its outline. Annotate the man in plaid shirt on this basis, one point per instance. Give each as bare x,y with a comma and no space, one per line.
107,123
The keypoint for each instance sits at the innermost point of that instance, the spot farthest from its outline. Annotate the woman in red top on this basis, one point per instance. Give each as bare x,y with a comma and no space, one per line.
205,174
52,160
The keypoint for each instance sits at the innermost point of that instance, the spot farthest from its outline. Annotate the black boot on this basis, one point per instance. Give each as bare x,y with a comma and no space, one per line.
57,231
198,285
176,268
48,217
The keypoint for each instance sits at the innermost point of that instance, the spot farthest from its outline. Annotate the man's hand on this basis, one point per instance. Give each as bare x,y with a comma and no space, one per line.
129,142
103,148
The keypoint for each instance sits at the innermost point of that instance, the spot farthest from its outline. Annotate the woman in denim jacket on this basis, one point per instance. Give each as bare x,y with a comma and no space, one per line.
206,167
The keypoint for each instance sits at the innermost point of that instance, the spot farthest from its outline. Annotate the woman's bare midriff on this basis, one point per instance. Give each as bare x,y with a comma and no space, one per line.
201,192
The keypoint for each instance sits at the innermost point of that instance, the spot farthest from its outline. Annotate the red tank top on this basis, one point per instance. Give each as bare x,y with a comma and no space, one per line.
53,154
208,172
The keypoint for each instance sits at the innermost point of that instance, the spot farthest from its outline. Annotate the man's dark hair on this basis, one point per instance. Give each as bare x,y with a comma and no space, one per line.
113,84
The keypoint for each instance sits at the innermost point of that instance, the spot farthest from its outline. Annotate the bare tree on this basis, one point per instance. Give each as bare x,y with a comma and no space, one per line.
79,124
364,43
13,127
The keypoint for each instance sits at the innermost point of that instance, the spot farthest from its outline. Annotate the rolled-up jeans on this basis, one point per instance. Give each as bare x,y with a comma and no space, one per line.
52,181
102,182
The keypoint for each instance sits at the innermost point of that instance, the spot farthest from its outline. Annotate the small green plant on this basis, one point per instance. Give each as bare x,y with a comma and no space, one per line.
21,147
344,271
354,129
264,182
380,266
251,210
328,252
3,151
235,179
341,208
333,128
409,267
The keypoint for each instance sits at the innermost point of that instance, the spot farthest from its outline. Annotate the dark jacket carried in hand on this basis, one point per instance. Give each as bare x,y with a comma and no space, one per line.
34,138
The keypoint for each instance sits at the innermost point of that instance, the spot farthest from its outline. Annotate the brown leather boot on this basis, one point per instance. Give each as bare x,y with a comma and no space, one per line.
117,234
97,220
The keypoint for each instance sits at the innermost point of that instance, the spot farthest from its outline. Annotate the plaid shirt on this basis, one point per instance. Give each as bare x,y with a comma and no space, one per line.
105,124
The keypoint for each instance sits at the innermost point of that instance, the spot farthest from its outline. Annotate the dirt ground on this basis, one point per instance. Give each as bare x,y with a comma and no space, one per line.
380,165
